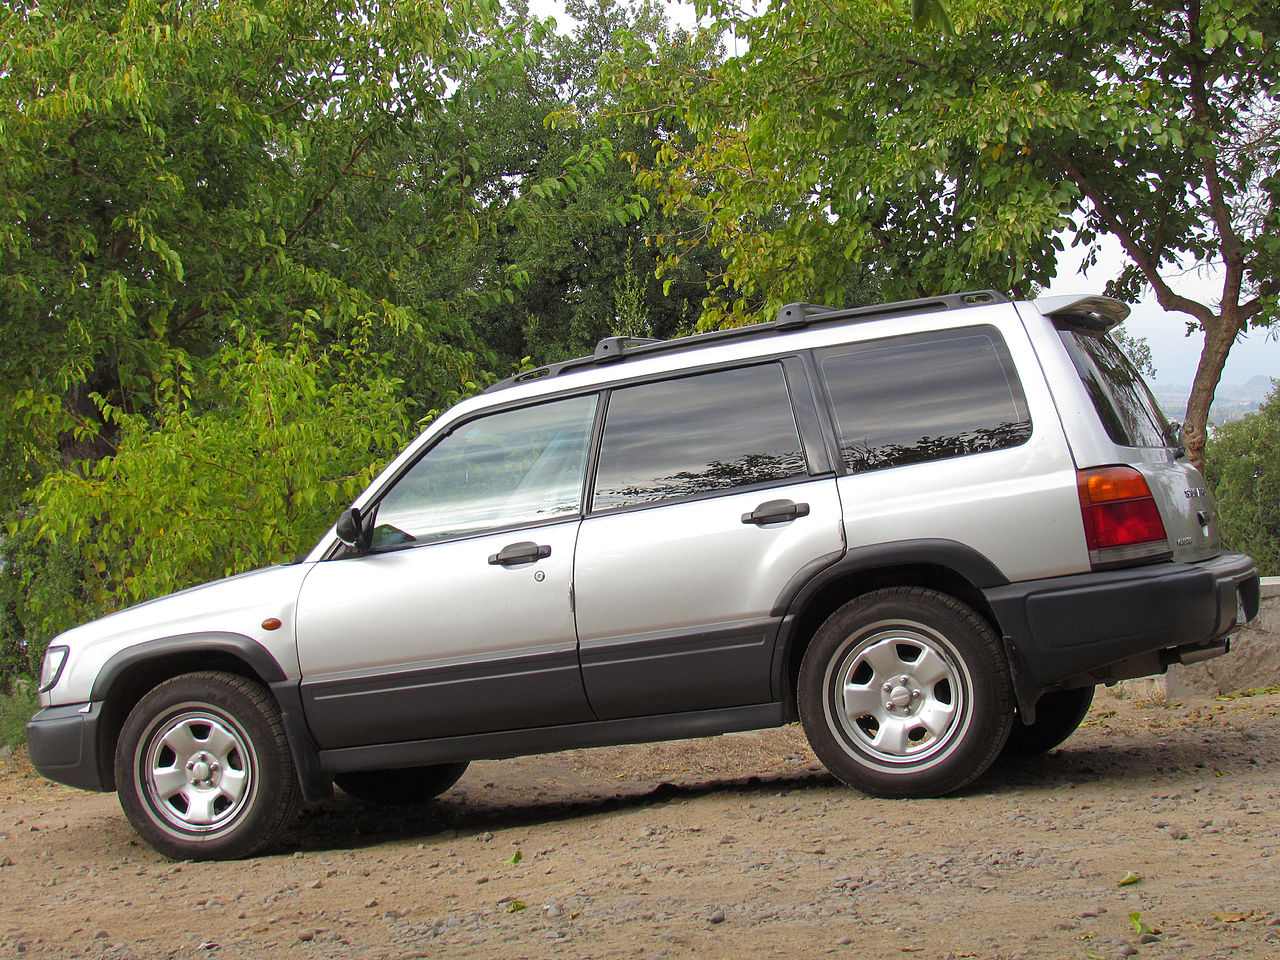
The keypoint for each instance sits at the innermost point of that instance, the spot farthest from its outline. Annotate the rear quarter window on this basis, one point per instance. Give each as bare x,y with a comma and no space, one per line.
924,397
1124,404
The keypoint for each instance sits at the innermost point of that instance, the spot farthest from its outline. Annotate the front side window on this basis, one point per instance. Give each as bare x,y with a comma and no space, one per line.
510,468
697,435
924,397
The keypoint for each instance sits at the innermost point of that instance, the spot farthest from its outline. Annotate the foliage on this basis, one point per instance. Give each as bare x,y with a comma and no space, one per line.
176,170
1243,469
17,705
255,454
578,246
847,135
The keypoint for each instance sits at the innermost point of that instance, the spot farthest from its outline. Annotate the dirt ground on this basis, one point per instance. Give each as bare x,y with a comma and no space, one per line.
1154,832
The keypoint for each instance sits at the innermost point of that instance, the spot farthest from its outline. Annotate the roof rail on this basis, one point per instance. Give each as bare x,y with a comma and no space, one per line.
793,316
615,348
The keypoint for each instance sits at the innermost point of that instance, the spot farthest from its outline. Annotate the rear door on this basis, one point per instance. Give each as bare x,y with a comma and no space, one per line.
706,505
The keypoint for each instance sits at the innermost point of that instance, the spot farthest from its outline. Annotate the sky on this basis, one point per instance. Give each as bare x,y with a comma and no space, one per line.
1174,354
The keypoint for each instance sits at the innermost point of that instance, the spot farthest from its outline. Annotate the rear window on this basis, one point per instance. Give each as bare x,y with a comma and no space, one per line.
1129,413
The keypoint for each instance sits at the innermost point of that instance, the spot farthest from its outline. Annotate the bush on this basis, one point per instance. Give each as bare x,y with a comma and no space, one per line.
1242,465
16,707
246,463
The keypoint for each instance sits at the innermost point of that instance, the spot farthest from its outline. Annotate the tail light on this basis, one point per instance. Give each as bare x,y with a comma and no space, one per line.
1121,520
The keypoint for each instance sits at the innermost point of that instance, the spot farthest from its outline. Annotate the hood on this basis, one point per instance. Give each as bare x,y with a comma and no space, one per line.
237,605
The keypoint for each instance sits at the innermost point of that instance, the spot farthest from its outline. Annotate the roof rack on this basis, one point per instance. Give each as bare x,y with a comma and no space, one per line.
793,316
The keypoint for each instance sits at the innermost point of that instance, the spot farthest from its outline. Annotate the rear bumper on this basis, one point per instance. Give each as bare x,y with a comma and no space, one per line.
63,743
1108,626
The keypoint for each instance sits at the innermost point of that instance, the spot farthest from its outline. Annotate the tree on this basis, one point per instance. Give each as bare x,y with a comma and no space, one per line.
176,170
237,260
576,248
1242,466
254,454
845,135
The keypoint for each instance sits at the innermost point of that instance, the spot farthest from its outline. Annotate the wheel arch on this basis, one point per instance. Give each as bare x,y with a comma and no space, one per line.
127,676
945,566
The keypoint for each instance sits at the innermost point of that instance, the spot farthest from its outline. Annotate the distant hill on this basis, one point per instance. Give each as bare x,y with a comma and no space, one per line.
1230,402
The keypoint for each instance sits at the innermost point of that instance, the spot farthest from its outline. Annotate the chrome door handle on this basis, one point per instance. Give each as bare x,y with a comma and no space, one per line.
776,511
526,551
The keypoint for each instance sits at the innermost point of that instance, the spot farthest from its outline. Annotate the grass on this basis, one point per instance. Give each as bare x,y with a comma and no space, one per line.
16,708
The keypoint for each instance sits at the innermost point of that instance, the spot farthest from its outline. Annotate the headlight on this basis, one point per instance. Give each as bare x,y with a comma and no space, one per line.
55,658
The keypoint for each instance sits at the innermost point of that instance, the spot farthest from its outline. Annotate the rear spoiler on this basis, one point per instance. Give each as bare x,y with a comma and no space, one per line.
1097,313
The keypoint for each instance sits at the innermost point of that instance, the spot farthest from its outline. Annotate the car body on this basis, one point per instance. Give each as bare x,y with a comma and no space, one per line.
927,529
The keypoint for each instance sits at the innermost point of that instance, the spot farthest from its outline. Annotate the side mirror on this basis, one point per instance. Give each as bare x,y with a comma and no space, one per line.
349,529
1178,440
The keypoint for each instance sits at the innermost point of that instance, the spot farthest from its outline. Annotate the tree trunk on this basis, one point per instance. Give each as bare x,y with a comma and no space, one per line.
1218,338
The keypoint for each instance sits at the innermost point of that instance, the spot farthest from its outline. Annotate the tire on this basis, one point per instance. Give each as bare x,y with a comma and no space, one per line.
203,768
1058,714
905,692
405,786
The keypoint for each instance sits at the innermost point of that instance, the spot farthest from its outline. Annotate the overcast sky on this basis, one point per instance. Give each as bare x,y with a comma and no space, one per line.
1175,355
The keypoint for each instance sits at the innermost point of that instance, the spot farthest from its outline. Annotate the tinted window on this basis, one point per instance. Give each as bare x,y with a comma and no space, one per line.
1125,406
515,467
927,397
695,435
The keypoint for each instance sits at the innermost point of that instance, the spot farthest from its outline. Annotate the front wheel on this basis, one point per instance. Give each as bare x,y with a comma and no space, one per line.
905,692
203,768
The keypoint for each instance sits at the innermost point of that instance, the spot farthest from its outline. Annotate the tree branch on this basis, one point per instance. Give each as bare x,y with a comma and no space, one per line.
1146,261
319,201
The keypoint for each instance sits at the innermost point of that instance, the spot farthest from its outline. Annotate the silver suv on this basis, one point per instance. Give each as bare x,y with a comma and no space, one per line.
925,529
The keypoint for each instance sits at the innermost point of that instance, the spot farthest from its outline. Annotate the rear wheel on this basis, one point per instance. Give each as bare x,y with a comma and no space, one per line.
203,768
1058,715
904,692
404,786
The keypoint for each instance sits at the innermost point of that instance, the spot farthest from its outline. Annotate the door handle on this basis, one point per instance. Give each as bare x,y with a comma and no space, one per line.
776,511
526,551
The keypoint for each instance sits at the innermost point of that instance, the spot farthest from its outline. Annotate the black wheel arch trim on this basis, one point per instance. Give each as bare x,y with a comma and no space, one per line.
794,599
962,560
315,784
254,655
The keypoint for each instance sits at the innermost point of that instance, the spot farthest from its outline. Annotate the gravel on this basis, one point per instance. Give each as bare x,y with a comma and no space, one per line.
736,845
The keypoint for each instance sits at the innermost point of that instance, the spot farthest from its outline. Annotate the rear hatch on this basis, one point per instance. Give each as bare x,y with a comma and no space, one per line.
1140,435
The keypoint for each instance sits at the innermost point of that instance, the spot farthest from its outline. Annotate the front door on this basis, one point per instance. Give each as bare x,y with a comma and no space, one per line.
459,619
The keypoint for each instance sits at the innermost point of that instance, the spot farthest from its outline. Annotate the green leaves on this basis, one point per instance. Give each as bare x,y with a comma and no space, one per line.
255,455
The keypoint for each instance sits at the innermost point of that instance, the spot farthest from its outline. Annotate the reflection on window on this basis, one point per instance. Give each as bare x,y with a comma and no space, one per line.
697,435
520,466
1129,413
921,398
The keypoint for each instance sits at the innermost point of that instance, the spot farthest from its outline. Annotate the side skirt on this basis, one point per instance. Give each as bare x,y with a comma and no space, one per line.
518,743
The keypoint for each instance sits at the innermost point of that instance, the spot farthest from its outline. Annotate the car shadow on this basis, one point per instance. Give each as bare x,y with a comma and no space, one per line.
347,823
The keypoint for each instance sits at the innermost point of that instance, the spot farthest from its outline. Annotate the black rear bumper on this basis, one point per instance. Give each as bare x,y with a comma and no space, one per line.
1112,625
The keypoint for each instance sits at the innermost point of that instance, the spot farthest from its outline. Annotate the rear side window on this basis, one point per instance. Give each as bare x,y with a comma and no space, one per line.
697,435
1129,413
924,397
